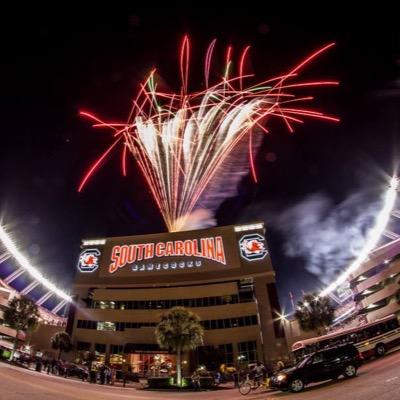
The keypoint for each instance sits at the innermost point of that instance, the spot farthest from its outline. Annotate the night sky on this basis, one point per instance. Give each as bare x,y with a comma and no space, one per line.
55,65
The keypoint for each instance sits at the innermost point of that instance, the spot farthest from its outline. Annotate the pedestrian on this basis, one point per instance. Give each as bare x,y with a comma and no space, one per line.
108,374
53,366
66,370
196,380
38,364
113,374
48,367
93,373
102,374
217,378
235,375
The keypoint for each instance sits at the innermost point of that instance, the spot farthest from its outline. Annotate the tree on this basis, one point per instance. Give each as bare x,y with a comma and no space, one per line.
86,356
62,342
22,315
314,313
179,330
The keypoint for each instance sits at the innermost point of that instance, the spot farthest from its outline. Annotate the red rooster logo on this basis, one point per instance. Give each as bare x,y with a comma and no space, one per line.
254,246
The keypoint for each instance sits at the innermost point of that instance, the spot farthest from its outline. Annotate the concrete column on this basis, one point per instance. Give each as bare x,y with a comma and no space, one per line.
107,357
273,348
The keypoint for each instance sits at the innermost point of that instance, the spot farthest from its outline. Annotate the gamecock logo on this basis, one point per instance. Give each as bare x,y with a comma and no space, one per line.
89,260
252,247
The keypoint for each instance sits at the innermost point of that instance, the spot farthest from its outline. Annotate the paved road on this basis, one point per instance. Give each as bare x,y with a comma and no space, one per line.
379,379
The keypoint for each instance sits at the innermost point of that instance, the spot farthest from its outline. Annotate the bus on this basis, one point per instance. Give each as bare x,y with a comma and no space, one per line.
372,339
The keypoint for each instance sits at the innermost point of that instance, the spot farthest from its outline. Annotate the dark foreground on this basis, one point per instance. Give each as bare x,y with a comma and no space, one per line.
379,379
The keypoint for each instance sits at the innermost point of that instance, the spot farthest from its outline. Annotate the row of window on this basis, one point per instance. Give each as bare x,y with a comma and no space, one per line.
243,297
208,324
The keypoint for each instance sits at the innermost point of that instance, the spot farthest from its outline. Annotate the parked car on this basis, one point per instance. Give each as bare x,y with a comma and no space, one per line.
322,365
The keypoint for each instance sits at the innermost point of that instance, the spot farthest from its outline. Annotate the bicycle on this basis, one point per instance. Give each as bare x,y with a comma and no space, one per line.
250,384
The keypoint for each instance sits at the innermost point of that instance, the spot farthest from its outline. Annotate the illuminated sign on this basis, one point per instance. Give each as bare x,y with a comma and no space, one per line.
252,247
172,253
211,248
171,257
89,260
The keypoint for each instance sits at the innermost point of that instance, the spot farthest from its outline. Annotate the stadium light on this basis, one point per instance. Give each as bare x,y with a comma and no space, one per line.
24,263
372,238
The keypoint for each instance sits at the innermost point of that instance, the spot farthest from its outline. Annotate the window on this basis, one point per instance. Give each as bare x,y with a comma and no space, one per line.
116,349
248,350
331,354
100,348
106,326
213,356
166,304
83,346
318,358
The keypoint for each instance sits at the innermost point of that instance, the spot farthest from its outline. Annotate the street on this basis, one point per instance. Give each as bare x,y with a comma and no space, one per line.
377,379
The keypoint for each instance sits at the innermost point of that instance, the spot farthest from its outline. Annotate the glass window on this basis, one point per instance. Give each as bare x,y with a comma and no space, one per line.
100,347
82,346
106,326
248,350
116,349
318,358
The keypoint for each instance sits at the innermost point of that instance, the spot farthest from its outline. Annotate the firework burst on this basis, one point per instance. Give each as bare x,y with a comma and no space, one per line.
186,144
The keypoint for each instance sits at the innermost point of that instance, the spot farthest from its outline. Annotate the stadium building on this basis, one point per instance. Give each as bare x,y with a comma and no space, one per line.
223,274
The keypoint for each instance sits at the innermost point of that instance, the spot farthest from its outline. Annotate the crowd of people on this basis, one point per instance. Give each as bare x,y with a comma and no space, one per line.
257,371
104,374
96,373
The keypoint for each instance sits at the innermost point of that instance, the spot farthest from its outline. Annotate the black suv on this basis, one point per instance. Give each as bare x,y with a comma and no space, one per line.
322,365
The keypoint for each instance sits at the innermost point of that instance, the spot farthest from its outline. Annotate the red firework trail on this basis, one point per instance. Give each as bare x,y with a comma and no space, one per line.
181,140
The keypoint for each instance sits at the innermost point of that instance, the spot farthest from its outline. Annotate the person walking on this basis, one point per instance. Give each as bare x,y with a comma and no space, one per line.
113,374
196,380
54,366
93,373
102,374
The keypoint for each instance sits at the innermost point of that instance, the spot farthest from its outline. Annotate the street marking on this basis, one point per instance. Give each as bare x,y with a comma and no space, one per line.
391,379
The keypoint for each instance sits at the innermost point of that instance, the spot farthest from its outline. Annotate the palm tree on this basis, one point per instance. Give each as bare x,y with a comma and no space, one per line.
314,313
179,330
22,315
62,342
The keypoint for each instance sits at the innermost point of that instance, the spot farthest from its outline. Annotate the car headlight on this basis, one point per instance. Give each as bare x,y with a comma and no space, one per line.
281,377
